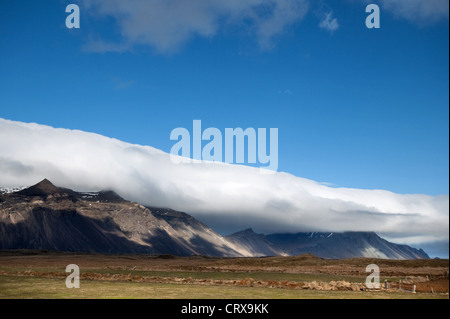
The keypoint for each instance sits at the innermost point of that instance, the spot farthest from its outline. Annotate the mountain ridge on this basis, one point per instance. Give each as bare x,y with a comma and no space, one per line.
344,245
45,216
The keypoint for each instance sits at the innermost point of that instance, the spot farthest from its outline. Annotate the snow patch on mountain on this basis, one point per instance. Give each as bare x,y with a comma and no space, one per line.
9,190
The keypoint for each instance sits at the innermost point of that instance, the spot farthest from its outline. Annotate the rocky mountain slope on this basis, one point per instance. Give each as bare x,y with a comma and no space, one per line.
344,245
328,245
256,243
48,217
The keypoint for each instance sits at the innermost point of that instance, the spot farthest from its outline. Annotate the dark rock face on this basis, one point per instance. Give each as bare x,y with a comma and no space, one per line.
47,217
256,243
44,188
344,245
326,245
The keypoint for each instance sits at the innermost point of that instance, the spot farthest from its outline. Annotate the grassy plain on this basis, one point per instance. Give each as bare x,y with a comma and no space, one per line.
35,275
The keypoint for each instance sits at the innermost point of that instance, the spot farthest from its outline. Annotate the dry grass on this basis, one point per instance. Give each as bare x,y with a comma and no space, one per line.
44,288
24,275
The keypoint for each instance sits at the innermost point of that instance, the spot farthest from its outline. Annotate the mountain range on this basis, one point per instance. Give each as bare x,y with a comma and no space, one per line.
45,216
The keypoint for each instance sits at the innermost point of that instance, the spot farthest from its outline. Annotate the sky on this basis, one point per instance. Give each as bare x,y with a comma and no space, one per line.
355,108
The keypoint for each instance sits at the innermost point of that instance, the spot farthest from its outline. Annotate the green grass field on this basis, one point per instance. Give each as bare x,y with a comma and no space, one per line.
209,275
142,277
17,287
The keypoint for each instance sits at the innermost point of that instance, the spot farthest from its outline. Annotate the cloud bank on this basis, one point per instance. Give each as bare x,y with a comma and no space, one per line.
227,197
165,25
418,11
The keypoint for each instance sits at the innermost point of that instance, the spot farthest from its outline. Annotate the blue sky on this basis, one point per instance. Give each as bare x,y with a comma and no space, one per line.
354,107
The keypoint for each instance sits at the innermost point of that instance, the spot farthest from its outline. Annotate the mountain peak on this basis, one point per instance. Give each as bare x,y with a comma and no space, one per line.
43,188
110,196
45,183
245,232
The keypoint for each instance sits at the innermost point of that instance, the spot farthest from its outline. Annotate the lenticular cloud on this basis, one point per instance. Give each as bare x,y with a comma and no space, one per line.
222,195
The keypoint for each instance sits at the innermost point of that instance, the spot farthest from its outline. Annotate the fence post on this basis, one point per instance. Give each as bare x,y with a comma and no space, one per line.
414,289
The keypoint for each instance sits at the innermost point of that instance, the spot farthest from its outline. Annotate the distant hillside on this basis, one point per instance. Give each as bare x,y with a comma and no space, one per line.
45,216
344,245
326,245
256,243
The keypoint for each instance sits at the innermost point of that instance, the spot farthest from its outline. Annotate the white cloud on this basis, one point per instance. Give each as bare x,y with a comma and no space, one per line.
222,195
285,92
165,25
418,11
122,84
329,23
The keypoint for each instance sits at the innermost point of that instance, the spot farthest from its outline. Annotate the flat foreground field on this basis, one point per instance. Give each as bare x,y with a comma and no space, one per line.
42,275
